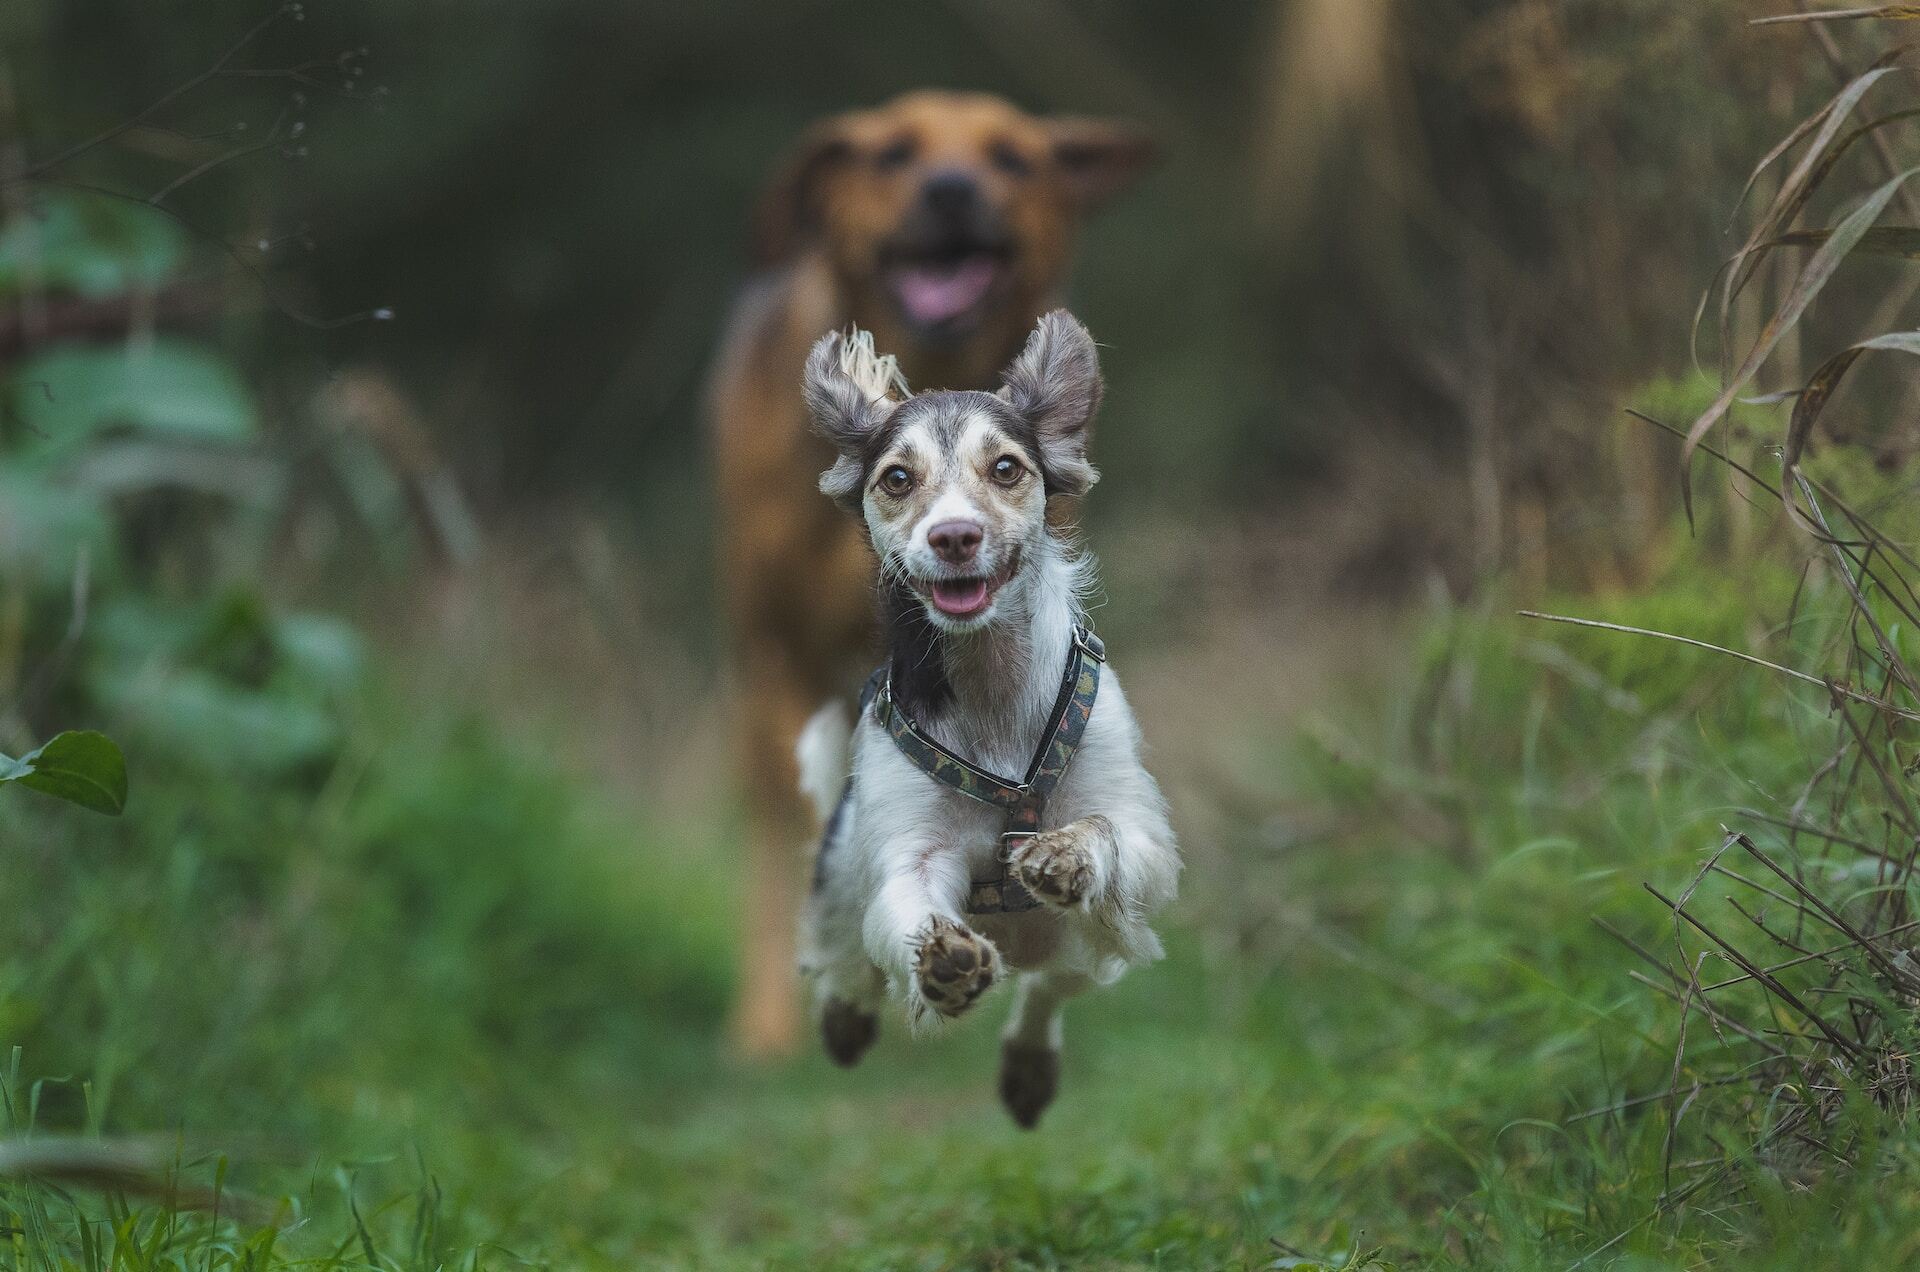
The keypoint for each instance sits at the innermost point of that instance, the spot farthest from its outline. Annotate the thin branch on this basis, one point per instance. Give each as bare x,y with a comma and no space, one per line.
233,253
1831,685
1740,960
1827,15
1815,955
200,170
173,94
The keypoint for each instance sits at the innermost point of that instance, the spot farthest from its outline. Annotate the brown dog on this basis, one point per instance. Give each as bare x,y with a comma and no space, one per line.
943,223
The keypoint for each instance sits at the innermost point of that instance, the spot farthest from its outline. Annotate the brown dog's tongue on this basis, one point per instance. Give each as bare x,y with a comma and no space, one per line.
935,293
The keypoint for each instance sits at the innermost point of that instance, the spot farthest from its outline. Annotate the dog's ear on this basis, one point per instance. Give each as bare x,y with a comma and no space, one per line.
1098,158
850,392
788,212
1054,385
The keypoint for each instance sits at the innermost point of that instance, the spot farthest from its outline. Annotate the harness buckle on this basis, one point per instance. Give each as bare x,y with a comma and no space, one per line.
1010,842
1090,644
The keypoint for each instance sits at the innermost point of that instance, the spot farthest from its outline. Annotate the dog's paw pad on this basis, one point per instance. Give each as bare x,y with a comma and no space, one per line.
847,1031
954,967
1055,867
1029,1077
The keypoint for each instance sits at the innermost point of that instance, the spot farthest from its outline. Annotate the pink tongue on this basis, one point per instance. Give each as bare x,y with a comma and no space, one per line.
960,597
935,293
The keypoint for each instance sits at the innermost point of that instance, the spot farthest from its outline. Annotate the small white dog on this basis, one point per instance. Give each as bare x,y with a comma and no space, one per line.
937,874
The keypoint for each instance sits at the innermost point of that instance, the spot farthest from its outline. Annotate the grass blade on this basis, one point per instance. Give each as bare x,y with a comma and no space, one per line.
1888,12
1812,278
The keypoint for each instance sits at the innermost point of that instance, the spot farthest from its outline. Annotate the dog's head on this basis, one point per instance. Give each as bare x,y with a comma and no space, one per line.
953,486
941,212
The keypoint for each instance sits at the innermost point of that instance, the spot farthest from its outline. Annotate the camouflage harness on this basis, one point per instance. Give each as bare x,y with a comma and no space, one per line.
1025,801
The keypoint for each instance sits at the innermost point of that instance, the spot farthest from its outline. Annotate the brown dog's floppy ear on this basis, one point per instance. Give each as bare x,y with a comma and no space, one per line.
1054,385
1098,158
788,212
850,392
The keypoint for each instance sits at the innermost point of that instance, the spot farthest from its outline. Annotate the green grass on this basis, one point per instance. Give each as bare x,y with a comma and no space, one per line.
438,1005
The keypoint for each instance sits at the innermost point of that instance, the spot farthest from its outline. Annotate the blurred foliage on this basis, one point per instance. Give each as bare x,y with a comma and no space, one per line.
69,396
435,922
345,911
1467,210
131,527
92,247
1376,1040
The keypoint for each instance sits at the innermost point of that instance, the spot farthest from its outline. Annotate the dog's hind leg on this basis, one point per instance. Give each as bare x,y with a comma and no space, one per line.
1030,1046
774,706
849,1008
848,989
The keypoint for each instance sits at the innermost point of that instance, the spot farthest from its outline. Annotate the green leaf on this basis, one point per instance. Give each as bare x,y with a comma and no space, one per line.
82,768
208,720
90,245
66,397
320,651
46,526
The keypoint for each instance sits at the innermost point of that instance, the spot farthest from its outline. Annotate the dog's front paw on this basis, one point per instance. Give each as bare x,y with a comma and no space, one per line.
954,966
1057,865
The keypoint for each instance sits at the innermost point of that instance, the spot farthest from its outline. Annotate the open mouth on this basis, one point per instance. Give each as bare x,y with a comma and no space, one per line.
965,596
960,598
946,285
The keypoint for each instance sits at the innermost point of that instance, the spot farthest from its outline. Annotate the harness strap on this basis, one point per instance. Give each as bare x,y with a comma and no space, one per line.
1024,802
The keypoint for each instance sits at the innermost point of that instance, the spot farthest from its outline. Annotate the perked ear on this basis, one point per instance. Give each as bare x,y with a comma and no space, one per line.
1054,385
1098,158
850,390
788,212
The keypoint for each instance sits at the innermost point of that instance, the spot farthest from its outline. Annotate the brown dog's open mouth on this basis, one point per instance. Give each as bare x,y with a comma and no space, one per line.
937,288
938,292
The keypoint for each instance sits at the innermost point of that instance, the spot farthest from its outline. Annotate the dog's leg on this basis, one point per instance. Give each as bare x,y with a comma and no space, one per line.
849,1011
915,933
847,988
1067,866
774,706
1030,1046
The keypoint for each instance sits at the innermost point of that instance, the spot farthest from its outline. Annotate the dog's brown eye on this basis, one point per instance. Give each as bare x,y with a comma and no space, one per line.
1009,160
895,154
896,481
1007,470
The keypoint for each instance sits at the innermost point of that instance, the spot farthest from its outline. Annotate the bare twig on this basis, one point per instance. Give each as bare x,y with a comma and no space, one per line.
1740,960
41,169
1839,689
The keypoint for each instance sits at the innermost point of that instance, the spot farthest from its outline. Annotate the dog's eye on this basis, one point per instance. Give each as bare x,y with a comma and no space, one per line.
895,154
896,481
1009,160
1007,470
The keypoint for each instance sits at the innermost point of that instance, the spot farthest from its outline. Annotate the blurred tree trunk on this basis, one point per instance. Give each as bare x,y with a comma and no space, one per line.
1330,79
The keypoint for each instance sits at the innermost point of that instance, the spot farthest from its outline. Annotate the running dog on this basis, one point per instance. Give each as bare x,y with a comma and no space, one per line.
943,222
988,813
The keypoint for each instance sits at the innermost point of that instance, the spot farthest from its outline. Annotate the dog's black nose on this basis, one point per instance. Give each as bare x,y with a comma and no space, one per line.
951,192
955,542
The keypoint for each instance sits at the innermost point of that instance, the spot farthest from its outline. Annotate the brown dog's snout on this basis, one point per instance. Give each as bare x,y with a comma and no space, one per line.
951,192
956,542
